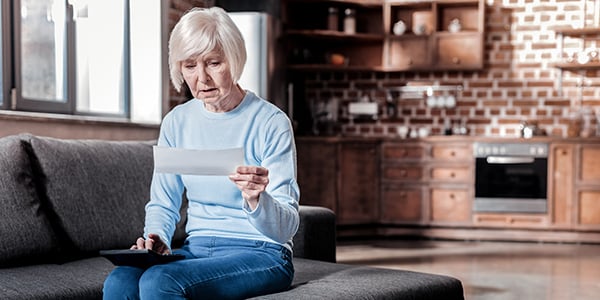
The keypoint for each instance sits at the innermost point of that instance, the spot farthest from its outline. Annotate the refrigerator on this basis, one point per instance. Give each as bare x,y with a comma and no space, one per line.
262,73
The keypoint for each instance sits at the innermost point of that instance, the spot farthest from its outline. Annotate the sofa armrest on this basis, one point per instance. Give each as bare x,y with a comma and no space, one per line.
315,238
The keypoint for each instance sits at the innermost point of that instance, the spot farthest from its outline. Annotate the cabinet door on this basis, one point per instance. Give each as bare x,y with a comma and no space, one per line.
359,192
459,51
590,164
450,205
317,173
408,53
562,173
402,204
589,208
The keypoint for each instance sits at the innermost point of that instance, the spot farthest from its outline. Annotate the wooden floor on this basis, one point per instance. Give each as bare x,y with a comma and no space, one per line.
491,270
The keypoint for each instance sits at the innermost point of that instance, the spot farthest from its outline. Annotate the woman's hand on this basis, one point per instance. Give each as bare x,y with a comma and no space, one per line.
251,180
153,243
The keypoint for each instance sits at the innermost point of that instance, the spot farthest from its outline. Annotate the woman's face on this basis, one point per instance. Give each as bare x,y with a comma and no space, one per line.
209,78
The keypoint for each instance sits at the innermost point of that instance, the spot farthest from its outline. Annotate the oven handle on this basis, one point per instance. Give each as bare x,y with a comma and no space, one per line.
509,160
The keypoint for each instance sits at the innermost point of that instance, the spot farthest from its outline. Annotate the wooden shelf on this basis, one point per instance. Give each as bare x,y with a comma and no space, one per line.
358,3
570,31
577,66
339,35
330,67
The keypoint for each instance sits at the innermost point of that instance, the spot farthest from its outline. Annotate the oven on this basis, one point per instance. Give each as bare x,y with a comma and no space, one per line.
511,177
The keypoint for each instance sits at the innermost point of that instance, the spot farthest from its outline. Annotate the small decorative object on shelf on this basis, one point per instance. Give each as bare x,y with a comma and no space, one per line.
399,28
454,26
349,21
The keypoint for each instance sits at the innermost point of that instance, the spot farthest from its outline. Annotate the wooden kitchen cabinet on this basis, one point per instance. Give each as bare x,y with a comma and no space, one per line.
437,47
359,183
402,204
317,172
427,183
341,175
588,186
562,176
403,183
575,186
451,180
311,41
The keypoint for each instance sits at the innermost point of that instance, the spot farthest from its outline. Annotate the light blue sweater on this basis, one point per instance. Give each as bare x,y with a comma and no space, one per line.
216,206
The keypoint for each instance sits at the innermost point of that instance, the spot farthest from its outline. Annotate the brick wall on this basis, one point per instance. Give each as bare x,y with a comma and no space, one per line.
518,81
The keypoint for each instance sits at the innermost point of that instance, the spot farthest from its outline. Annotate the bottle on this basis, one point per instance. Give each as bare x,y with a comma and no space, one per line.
349,21
332,19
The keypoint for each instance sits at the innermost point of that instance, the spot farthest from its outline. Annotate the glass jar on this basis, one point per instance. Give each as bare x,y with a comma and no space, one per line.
332,19
349,21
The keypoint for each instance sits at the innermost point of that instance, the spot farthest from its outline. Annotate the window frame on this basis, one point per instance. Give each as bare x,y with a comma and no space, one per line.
69,106
6,52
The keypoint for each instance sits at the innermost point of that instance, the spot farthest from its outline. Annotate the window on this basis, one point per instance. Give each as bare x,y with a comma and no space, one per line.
74,57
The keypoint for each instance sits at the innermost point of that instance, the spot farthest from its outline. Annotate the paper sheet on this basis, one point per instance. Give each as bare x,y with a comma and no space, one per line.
197,162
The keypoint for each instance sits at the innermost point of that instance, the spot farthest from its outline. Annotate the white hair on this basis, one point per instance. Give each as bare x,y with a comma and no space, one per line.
202,30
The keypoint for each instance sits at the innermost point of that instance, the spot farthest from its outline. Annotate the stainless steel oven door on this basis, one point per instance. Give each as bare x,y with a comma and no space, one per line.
516,184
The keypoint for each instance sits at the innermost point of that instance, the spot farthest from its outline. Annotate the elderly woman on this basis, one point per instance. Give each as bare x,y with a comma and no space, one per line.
239,228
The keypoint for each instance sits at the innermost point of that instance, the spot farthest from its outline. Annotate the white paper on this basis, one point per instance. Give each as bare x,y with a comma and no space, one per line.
197,162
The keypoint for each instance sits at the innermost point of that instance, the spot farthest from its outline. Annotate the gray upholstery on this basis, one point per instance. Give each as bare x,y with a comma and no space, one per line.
25,231
98,189
77,280
315,238
62,200
324,280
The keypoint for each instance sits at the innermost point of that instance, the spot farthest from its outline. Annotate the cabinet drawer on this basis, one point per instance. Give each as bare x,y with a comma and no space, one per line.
452,174
403,172
450,205
403,151
452,152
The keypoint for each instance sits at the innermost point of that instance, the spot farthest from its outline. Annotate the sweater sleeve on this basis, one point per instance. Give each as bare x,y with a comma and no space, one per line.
166,190
276,215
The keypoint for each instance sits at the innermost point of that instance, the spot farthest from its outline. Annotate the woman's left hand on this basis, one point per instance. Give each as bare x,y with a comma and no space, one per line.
251,180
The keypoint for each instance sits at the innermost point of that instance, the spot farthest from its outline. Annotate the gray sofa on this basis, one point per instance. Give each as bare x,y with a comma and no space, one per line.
64,200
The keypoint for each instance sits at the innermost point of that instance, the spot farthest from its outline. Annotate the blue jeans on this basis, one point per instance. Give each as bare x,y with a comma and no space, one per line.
214,268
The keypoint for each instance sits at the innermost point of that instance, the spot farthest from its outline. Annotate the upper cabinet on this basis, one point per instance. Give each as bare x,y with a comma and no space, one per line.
437,35
333,34
384,35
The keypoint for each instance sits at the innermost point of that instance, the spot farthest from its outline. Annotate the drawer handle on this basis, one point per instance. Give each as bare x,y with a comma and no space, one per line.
452,175
456,60
452,153
403,173
452,196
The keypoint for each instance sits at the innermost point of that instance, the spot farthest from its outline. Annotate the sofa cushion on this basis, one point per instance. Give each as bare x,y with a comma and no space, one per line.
25,230
97,189
323,280
77,280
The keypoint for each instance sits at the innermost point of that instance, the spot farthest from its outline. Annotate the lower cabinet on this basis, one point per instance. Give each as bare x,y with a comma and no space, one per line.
317,172
342,175
402,204
425,187
358,201
575,186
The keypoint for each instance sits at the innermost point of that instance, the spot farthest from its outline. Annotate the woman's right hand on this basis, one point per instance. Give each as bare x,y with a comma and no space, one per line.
153,242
